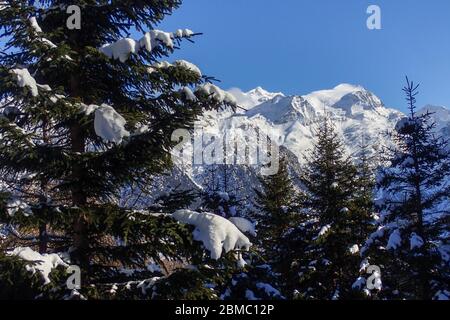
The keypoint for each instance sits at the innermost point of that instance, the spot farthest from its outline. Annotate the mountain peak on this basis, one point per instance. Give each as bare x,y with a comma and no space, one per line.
358,101
261,92
258,90
435,108
347,87
329,97
254,97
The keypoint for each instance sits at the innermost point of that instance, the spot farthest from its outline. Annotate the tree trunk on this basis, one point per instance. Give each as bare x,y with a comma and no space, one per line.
80,225
43,238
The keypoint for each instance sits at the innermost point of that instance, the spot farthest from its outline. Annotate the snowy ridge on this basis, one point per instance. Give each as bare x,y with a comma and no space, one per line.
254,97
356,112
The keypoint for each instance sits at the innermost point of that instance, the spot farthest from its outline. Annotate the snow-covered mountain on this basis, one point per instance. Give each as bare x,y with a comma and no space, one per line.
356,112
358,115
441,117
252,98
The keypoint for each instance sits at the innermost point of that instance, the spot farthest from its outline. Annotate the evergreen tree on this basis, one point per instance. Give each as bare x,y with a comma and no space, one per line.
218,196
276,217
363,203
411,243
330,195
87,112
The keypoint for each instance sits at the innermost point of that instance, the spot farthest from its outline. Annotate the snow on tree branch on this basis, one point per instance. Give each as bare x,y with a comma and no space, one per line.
42,263
217,93
123,48
25,79
109,124
217,233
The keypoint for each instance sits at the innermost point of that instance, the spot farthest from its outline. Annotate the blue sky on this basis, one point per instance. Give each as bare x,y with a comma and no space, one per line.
298,46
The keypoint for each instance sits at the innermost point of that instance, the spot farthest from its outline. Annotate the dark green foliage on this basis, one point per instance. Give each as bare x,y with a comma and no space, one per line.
16,282
52,158
414,189
173,201
277,216
332,197
276,202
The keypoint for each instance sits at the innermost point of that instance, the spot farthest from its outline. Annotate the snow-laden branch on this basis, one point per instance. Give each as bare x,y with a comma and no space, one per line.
42,263
123,48
217,233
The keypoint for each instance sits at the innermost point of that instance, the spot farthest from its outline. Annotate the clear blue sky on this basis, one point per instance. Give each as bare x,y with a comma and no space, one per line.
297,46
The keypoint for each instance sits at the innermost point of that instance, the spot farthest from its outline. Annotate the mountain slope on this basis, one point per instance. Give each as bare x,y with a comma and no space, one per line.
358,115
356,112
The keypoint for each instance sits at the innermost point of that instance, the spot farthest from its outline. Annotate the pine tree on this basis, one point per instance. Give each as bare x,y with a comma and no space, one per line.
86,113
363,203
276,205
411,243
218,196
327,266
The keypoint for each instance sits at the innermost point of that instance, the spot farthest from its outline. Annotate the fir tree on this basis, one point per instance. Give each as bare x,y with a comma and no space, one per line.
411,243
330,259
363,203
276,216
218,196
86,113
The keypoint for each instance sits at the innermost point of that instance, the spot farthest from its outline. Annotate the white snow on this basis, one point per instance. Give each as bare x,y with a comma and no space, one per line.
44,87
56,98
217,93
121,49
189,66
49,43
110,125
186,33
153,38
244,225
329,97
354,249
88,109
252,98
24,79
324,230
43,263
395,240
416,241
217,233
179,64
35,25
241,263
15,204
271,291
377,284
189,94
364,265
